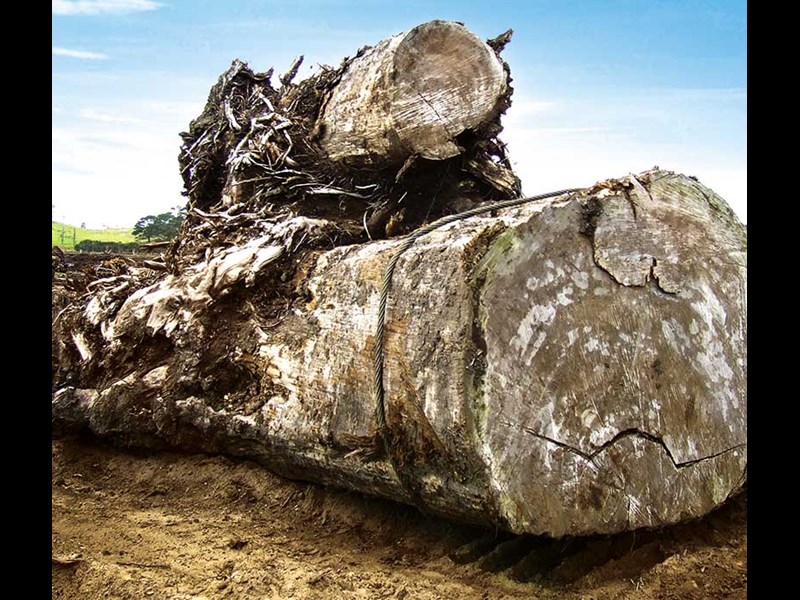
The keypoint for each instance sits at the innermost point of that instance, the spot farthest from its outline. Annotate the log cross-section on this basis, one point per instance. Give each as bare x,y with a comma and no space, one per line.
413,95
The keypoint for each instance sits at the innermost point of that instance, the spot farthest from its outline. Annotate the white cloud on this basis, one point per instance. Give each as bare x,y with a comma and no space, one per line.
551,160
83,54
119,162
563,130
576,141
526,106
112,174
96,7
93,115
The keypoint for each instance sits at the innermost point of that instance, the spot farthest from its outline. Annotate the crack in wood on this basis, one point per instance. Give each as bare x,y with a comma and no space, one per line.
632,203
653,276
644,187
442,120
626,433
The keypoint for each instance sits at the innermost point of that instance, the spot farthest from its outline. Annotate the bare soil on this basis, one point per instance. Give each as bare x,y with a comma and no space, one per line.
168,525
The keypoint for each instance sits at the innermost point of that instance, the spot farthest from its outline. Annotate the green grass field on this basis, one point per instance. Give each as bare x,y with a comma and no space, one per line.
73,235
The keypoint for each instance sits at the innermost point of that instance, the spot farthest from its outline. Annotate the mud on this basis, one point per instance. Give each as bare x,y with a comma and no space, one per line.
167,525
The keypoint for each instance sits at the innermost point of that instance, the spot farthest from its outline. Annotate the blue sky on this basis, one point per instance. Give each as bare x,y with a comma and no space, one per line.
602,88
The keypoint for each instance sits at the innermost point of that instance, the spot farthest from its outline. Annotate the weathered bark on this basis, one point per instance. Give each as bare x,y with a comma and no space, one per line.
570,366
413,94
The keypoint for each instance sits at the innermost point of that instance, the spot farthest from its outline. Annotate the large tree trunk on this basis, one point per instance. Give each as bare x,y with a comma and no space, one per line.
569,366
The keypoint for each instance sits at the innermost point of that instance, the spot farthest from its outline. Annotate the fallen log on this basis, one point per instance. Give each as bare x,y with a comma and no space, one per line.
413,95
568,366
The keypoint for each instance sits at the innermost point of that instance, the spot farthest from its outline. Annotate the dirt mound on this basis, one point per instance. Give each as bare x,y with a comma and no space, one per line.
175,526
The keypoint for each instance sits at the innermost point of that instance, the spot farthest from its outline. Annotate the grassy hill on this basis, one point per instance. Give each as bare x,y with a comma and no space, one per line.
73,235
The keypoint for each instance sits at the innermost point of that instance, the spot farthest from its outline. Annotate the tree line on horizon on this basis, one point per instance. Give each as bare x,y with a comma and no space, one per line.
159,228
150,228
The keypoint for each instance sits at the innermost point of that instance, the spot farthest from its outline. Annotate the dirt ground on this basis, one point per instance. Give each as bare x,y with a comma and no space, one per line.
167,525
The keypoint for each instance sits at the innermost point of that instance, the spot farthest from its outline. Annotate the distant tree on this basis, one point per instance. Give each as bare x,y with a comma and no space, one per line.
145,228
111,247
159,227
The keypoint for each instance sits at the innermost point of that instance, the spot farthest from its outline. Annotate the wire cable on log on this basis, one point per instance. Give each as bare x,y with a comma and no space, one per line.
378,389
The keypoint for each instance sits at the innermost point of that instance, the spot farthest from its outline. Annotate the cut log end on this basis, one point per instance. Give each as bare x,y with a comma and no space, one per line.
413,94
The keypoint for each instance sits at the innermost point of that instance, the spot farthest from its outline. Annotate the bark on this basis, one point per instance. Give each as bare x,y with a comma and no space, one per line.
570,366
